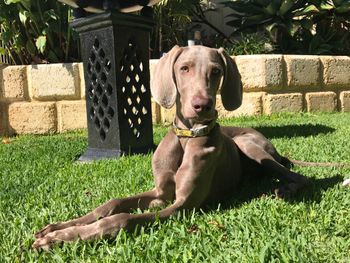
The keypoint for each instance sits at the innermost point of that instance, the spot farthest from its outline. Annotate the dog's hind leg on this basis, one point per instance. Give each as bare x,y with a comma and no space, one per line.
259,149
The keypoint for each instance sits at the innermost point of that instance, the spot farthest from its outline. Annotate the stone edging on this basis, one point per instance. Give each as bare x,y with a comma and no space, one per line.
44,99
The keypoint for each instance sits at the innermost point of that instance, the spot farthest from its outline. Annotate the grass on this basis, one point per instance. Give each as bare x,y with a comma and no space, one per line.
40,183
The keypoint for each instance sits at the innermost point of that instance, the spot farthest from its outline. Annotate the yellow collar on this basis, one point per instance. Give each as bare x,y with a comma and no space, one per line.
194,132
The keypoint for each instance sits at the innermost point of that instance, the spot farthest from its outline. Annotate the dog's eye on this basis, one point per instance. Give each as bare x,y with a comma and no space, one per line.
185,69
216,71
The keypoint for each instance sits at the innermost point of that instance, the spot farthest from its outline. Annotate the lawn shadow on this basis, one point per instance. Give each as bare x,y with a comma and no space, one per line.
263,188
313,192
290,131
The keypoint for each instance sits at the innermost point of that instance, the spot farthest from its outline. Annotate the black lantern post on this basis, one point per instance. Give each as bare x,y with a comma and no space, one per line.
115,54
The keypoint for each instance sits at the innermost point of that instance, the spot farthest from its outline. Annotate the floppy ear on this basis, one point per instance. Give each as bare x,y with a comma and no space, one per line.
231,89
163,86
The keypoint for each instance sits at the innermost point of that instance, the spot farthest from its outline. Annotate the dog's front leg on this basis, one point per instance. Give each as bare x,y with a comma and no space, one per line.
109,226
188,196
192,187
106,227
114,206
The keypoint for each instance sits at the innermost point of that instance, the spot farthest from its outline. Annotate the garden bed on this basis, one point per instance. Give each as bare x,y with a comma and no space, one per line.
41,183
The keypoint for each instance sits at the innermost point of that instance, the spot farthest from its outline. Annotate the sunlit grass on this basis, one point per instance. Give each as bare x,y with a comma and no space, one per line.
41,183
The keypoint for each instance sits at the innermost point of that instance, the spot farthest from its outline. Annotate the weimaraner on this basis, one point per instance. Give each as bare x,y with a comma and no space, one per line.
198,162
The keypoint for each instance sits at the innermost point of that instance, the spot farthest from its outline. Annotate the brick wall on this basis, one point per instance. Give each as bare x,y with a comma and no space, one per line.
44,99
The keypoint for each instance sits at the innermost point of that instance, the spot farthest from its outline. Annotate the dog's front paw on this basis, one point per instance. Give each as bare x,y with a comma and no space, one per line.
47,229
42,243
65,235
46,242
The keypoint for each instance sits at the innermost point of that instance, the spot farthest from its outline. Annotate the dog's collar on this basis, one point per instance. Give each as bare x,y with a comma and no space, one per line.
194,132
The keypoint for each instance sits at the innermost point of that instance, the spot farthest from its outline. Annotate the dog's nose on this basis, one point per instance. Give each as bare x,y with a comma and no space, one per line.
202,104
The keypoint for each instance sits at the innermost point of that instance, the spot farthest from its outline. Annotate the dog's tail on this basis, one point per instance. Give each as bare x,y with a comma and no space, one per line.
289,163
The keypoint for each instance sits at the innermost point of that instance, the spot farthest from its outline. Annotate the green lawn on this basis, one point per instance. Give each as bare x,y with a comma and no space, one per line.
41,183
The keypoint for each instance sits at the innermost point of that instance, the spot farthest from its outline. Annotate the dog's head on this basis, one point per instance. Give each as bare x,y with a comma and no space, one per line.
191,77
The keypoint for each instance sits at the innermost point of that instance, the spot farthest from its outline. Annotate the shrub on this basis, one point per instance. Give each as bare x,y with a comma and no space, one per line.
307,27
174,21
248,44
37,32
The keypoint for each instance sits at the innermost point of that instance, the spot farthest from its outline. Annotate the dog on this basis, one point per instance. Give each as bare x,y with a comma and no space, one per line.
198,162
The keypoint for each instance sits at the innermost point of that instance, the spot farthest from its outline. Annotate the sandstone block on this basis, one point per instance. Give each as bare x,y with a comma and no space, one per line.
303,71
167,115
152,66
336,71
32,117
71,115
82,80
345,101
251,105
321,101
260,72
156,118
55,81
13,83
3,118
290,102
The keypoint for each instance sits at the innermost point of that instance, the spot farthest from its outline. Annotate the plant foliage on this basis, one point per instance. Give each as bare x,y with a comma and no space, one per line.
172,20
308,27
249,44
36,32
175,20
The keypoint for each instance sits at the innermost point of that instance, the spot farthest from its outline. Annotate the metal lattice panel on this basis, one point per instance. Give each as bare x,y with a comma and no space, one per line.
100,90
133,88
117,91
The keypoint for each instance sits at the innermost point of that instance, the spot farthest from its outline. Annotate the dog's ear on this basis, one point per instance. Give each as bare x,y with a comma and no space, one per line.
231,88
163,86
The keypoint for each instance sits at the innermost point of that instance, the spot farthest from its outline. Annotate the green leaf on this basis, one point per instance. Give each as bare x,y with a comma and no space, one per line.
307,23
258,18
2,51
263,2
345,8
6,36
285,7
269,28
40,43
308,10
271,9
30,47
53,57
27,4
23,16
325,6
51,14
337,2
9,2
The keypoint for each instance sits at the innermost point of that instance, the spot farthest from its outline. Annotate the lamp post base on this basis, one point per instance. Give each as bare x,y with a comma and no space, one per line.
115,53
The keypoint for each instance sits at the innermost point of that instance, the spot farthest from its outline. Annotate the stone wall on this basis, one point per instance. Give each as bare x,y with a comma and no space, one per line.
289,83
43,99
